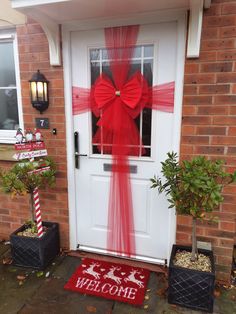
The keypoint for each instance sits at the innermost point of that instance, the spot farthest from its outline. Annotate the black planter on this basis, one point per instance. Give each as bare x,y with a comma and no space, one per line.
35,252
191,288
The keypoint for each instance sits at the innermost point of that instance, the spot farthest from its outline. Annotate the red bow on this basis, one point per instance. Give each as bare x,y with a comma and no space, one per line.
119,109
133,94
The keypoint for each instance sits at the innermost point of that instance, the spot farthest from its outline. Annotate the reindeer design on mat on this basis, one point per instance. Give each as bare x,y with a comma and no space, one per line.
112,276
132,278
91,271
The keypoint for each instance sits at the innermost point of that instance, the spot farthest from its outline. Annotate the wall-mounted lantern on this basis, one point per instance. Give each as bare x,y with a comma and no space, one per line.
39,91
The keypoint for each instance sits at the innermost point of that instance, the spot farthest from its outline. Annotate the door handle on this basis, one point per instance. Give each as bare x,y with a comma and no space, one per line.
76,146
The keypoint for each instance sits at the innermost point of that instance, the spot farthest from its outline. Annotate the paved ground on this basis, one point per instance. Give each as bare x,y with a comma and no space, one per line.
25,291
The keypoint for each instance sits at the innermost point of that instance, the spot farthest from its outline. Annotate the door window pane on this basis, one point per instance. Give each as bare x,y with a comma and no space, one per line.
142,61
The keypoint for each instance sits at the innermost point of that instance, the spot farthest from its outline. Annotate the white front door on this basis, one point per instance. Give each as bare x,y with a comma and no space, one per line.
155,56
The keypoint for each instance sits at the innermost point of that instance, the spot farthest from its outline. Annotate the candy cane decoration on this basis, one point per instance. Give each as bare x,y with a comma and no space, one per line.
38,212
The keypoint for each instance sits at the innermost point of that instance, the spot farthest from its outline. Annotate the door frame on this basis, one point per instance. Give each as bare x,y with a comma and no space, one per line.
180,16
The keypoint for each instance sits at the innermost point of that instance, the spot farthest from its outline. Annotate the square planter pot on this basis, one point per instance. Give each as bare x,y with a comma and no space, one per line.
191,288
35,252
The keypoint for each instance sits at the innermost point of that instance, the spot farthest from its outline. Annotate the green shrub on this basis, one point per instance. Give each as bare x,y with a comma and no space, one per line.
193,187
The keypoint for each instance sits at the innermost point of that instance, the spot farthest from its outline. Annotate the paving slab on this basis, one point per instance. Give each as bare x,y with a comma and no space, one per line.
52,298
43,293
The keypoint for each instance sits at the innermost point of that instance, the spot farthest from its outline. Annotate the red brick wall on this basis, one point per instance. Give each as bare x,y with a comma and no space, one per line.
209,122
34,55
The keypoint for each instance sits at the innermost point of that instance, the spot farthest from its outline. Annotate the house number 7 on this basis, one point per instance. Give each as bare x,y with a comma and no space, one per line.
42,123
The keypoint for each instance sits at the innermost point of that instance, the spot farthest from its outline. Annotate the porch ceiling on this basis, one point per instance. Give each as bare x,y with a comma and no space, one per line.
51,13
62,11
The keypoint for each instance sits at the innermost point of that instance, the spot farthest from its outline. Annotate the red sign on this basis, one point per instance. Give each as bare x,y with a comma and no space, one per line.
30,146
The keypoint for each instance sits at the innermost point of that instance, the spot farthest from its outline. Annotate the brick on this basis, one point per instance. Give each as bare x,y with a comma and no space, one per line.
202,130
207,56
226,243
209,150
195,139
34,29
224,120
5,225
214,21
186,149
182,238
190,90
225,99
39,48
226,55
232,130
228,226
4,211
189,110
226,78
209,33
224,260
223,268
232,150
184,228
200,79
220,234
217,44
188,130
191,68
212,110
188,120
223,251
229,8
217,67
228,31
214,89
197,100
232,110
223,140
184,220
59,83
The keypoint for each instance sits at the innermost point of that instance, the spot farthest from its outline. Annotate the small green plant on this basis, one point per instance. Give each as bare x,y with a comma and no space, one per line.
193,187
24,177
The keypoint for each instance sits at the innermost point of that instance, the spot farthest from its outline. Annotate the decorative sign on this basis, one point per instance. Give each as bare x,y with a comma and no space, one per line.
30,146
42,123
31,154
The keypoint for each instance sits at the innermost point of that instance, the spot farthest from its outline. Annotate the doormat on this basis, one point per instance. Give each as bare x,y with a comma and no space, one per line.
110,280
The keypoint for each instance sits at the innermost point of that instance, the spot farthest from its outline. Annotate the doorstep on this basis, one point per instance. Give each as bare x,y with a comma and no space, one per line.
113,259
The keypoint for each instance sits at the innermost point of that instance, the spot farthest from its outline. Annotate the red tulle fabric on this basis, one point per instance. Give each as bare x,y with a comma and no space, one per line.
117,103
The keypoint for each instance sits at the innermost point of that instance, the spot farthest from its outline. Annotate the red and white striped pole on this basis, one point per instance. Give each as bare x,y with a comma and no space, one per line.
38,212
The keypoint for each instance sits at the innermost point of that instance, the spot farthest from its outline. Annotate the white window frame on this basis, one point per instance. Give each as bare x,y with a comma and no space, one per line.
8,136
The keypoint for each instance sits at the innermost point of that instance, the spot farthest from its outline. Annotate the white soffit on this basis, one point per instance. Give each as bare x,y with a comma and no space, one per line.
9,16
51,13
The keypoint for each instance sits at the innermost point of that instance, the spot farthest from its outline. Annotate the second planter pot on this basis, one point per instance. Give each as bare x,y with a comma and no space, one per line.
191,288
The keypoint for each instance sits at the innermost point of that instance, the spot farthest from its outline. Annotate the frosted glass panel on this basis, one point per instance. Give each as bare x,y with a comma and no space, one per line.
9,109
7,65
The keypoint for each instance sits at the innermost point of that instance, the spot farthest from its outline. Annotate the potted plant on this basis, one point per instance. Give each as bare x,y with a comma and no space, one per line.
193,188
27,248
